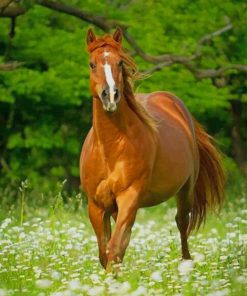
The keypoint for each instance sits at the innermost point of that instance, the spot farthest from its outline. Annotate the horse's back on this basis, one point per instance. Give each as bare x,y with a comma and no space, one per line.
162,103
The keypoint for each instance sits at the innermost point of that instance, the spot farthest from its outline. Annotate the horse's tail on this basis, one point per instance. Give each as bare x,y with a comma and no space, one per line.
209,187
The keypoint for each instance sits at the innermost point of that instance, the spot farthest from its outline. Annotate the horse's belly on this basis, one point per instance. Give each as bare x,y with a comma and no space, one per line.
174,165
162,191
153,198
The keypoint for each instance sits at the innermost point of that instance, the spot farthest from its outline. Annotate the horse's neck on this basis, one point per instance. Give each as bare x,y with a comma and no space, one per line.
109,128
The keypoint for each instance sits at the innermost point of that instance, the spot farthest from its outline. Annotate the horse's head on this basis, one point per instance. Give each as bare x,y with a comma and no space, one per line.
106,79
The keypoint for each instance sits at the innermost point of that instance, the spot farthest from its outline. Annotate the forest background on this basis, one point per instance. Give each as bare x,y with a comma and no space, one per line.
196,50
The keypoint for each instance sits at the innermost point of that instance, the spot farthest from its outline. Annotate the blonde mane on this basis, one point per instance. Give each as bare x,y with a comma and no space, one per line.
130,74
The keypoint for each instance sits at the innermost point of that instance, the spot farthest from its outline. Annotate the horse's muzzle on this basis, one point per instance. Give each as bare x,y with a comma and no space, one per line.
110,106
110,100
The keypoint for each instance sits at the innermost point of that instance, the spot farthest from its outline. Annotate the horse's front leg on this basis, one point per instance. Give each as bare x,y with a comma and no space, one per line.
127,203
101,223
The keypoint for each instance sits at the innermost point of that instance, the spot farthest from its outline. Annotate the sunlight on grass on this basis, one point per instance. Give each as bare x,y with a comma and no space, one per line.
56,254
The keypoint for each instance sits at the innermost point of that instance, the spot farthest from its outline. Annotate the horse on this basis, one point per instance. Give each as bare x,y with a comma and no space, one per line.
141,150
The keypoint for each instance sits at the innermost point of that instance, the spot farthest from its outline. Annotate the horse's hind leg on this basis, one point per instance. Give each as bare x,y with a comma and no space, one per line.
184,205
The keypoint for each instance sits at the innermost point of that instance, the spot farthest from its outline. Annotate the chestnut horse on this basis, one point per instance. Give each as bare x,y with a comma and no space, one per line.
141,150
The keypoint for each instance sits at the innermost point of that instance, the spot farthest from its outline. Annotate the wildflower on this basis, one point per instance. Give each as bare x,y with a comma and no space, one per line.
55,275
75,284
156,276
139,291
3,292
124,288
214,230
224,292
43,283
97,290
185,267
94,278
241,279
5,223
198,257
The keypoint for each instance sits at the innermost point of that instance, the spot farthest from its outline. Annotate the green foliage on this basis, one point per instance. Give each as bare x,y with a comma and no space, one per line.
45,106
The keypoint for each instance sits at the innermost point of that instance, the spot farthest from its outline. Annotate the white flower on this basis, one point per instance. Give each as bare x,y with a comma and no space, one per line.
22,235
139,291
185,267
56,275
198,257
62,293
75,284
43,283
224,292
3,292
94,278
69,247
5,223
241,279
96,291
124,288
231,234
37,272
156,276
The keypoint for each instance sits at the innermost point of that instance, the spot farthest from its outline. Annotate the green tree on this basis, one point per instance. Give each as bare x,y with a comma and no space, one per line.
193,49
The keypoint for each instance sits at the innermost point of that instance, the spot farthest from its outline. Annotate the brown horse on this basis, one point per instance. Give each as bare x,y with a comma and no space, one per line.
141,150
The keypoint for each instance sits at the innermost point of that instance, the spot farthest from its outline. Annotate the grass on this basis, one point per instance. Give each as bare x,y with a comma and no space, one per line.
54,252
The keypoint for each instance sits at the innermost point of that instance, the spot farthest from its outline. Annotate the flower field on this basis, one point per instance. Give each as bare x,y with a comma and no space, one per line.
55,253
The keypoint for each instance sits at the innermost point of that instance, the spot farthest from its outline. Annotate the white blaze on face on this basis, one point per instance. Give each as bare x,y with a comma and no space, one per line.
110,81
109,78
106,54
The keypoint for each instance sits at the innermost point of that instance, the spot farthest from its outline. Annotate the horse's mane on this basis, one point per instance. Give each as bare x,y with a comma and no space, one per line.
130,74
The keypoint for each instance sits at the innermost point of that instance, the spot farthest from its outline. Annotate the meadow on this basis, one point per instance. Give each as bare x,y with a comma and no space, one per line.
53,251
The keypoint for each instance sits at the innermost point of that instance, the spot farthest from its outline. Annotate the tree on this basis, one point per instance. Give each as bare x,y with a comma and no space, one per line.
197,53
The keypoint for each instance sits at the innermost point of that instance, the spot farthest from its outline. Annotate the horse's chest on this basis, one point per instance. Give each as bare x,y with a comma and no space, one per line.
113,177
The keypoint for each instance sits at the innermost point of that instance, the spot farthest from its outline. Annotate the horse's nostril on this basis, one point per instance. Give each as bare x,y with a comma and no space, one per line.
116,95
104,94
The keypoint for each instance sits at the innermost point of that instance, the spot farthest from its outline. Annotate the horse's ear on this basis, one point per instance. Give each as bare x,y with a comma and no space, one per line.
118,34
90,36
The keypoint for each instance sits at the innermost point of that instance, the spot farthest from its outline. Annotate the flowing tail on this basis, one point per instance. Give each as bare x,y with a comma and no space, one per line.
209,187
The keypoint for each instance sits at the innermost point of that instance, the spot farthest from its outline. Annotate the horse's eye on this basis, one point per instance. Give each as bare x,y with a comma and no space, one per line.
120,64
92,65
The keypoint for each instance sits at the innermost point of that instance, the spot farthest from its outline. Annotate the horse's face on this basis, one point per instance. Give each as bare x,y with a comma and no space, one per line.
106,72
